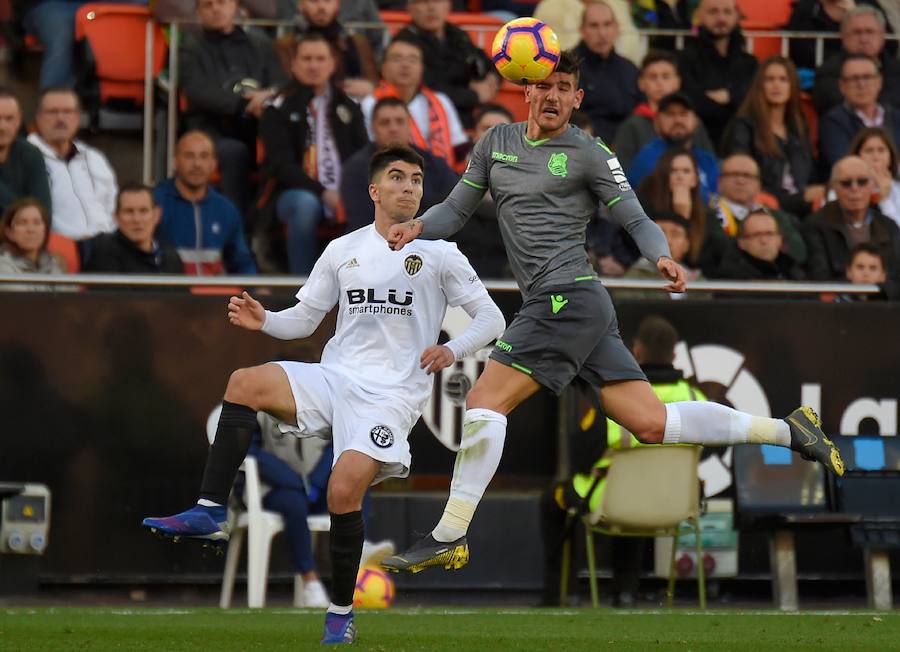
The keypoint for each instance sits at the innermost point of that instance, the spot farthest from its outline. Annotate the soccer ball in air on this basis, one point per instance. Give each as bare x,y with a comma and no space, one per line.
374,589
525,51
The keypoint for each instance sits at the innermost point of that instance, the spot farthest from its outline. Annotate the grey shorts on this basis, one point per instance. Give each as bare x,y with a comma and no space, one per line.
568,332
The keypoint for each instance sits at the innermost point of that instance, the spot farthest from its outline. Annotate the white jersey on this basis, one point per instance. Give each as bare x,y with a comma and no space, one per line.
391,305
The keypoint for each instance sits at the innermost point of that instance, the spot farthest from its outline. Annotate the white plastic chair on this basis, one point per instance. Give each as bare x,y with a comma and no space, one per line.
260,527
651,491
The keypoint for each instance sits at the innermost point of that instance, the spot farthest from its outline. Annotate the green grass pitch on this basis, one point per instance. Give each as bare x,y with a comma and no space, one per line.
458,630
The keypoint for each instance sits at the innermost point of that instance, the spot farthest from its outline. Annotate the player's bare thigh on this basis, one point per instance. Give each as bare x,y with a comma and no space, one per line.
264,388
634,406
500,388
351,476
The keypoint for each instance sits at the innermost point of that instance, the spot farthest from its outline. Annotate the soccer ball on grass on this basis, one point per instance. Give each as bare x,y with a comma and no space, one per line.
374,589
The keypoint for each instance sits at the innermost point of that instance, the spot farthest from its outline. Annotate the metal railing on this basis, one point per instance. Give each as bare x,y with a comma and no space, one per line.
173,280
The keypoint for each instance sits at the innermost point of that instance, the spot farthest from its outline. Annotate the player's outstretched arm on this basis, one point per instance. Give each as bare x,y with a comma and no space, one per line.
246,312
293,323
441,220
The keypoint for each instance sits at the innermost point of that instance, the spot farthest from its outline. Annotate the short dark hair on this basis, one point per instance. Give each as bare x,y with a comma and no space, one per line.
408,39
658,56
310,36
7,93
387,155
52,90
491,107
569,63
131,188
860,57
759,210
657,337
866,248
674,218
388,102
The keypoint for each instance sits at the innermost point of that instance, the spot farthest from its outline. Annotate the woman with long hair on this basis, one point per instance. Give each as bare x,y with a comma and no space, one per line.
24,231
674,186
875,146
769,125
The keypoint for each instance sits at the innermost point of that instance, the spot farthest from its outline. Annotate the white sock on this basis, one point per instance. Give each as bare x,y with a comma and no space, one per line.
480,450
714,424
340,611
203,502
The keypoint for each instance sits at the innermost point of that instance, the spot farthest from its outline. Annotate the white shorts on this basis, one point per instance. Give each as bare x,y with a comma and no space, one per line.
329,405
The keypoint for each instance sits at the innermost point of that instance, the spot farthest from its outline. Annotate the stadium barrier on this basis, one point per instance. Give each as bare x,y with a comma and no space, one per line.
107,393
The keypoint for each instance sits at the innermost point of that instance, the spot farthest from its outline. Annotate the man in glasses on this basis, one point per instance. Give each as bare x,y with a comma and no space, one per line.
847,221
860,84
862,32
759,254
740,192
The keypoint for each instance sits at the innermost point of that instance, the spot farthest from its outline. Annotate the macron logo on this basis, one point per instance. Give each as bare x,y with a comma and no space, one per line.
506,158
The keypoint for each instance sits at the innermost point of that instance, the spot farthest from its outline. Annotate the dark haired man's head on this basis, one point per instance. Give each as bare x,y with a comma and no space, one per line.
655,341
677,231
137,215
866,264
759,236
313,62
490,115
551,101
404,64
10,117
396,177
390,122
659,76
58,117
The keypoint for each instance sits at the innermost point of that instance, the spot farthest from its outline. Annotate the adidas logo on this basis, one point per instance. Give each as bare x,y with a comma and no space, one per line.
350,264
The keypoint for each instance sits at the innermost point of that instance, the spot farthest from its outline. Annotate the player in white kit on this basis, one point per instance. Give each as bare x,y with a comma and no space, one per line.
374,377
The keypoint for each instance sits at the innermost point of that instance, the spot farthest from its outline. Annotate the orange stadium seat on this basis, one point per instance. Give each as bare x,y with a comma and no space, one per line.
773,13
769,15
117,34
65,249
513,98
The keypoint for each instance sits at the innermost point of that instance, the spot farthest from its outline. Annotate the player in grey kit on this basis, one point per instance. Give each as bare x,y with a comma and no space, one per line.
546,177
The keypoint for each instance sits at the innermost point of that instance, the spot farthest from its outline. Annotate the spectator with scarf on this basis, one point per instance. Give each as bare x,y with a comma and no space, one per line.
434,121
308,132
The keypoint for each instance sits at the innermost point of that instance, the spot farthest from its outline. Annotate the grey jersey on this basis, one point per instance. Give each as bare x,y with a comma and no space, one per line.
546,192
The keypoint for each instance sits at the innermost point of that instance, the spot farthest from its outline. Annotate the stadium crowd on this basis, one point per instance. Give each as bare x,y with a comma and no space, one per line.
770,169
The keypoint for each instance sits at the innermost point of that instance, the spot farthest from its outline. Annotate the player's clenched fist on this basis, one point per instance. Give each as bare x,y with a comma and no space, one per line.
246,312
435,358
400,235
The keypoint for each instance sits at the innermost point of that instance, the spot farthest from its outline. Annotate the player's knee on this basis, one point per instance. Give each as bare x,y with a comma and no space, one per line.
649,428
342,497
244,388
484,399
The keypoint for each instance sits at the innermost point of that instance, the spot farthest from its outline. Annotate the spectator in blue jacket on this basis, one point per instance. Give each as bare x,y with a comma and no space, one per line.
676,124
202,224
860,85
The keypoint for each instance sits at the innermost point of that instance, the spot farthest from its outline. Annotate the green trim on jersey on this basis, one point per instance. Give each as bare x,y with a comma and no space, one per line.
604,147
535,143
614,201
523,369
473,184
585,278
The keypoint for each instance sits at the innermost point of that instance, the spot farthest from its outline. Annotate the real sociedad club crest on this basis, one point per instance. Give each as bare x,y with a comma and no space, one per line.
413,263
